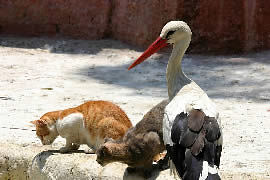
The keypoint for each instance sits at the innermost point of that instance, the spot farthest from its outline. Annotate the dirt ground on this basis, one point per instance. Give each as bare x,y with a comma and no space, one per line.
40,75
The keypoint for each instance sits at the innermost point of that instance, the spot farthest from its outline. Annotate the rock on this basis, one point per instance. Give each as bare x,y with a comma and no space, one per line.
53,165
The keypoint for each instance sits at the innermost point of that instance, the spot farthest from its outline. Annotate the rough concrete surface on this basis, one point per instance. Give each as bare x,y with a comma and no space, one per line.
40,75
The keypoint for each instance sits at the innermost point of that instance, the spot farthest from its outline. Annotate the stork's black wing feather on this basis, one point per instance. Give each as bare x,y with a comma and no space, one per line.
194,167
194,164
198,145
212,128
196,120
188,138
179,127
197,132
218,155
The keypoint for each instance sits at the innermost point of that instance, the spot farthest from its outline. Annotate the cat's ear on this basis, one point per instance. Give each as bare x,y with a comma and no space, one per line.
33,122
38,122
30,124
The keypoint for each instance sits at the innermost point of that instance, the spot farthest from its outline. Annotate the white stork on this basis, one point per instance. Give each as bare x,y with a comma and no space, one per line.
191,124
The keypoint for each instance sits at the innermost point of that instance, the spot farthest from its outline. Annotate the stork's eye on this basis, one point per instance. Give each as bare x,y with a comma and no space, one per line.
169,34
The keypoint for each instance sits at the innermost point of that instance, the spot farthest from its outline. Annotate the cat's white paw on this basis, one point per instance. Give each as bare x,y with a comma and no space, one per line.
64,149
89,151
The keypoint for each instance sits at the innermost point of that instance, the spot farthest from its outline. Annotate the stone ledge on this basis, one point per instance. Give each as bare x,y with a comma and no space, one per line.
41,163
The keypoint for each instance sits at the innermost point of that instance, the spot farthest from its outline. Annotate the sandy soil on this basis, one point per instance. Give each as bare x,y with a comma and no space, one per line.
40,75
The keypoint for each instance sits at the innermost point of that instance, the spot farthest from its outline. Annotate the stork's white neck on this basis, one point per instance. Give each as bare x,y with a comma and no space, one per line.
176,78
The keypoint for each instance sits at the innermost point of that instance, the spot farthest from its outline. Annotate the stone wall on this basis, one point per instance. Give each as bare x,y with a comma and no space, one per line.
218,26
77,19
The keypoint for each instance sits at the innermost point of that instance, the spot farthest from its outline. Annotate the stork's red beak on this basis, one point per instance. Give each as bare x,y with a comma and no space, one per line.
154,47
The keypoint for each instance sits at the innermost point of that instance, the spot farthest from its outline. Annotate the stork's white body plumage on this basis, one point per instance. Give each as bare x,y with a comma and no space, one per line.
189,97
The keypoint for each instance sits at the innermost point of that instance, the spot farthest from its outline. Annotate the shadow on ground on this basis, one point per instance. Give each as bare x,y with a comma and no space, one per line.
236,76
240,77
63,46
138,175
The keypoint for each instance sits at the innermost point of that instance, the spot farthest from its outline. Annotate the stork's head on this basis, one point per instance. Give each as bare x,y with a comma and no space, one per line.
172,33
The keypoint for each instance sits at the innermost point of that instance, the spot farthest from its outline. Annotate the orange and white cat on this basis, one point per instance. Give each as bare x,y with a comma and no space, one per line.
89,123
